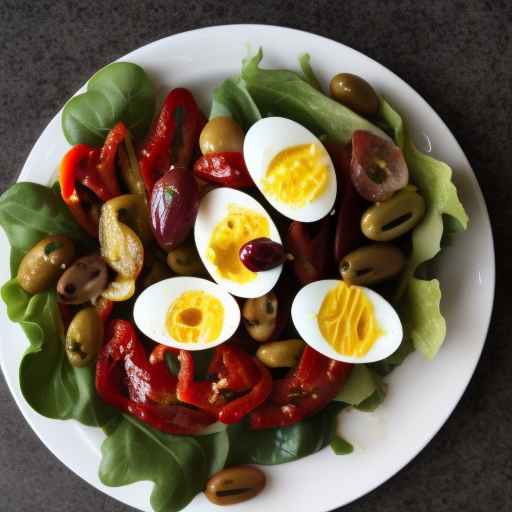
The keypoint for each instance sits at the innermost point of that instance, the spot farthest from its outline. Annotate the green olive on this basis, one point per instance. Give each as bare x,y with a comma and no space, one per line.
235,485
44,263
392,218
84,337
372,264
356,93
185,260
260,316
281,354
221,134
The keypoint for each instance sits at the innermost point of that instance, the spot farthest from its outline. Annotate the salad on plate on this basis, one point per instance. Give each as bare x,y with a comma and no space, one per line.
212,292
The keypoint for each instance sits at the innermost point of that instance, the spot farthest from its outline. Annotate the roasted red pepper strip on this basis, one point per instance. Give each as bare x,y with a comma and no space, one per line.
173,137
126,380
88,178
104,308
235,371
107,164
310,246
78,171
227,169
314,383
349,204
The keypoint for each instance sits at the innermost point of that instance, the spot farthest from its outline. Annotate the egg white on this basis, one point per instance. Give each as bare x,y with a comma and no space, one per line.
214,208
151,308
268,137
306,306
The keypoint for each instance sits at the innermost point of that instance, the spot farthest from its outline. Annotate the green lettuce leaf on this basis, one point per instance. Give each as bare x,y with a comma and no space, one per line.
307,71
341,446
286,444
360,385
418,300
179,466
232,99
30,212
49,384
285,93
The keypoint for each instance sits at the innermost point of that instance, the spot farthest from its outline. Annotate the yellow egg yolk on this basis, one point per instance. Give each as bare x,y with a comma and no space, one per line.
239,227
347,322
195,316
297,175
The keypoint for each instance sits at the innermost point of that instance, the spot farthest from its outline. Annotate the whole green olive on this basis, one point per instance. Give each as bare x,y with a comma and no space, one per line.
260,316
392,218
185,260
354,92
44,263
221,134
234,485
158,271
281,354
83,281
372,264
84,337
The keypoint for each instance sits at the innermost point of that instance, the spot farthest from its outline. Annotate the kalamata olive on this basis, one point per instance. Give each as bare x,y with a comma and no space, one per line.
44,263
392,218
372,264
378,167
235,485
354,92
262,254
185,260
310,245
174,204
221,134
280,354
84,337
260,316
83,281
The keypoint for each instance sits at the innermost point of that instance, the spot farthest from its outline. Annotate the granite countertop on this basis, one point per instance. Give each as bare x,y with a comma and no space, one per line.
457,55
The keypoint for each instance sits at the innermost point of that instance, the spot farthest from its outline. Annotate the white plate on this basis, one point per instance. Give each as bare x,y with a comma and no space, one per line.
422,394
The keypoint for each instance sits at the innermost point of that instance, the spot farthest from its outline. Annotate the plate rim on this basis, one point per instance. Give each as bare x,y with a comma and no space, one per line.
26,410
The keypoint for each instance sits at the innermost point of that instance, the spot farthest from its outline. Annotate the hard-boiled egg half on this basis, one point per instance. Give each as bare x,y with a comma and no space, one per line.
291,167
187,313
347,323
226,220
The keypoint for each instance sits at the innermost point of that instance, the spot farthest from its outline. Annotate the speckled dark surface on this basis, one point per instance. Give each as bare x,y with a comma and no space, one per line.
458,55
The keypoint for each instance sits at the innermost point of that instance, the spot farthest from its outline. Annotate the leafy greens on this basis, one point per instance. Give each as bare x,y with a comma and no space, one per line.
120,91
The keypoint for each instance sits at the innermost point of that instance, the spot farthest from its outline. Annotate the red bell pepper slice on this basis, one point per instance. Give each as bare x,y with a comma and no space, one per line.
173,137
88,178
107,163
227,169
126,380
314,383
104,308
235,372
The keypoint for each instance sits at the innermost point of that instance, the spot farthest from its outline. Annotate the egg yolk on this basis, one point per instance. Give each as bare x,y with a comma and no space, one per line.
297,175
195,316
239,227
346,320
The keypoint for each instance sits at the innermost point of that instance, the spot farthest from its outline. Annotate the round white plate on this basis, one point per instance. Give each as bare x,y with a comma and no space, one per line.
422,394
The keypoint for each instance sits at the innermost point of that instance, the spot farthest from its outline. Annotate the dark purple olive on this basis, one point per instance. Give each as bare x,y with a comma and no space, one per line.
262,254
378,168
173,207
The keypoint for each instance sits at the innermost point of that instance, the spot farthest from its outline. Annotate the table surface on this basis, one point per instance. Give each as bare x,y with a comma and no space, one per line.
455,54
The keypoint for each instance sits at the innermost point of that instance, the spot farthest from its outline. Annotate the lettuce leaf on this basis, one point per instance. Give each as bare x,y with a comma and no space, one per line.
179,466
49,384
307,71
285,93
232,99
418,300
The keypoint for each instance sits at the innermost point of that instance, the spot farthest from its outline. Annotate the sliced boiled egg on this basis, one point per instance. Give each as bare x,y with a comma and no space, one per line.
226,220
347,323
291,167
187,313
